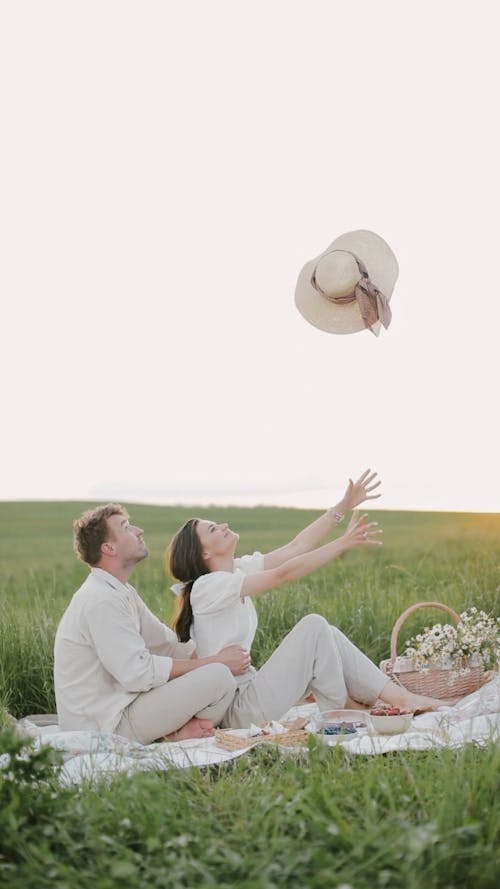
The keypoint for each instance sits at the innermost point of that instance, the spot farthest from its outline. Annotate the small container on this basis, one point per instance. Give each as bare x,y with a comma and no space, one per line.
338,725
389,724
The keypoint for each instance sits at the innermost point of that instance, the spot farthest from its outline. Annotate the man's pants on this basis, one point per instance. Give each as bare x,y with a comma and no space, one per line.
205,692
314,657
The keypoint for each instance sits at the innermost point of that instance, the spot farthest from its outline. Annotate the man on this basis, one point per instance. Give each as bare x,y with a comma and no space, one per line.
117,668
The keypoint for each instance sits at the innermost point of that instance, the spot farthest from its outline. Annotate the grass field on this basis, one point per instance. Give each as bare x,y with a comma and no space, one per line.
400,820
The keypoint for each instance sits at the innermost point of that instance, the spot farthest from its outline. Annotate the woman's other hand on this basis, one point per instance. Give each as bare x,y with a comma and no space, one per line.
359,532
360,490
235,657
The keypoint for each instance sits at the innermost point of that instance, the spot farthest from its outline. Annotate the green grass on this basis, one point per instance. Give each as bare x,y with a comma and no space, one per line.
326,820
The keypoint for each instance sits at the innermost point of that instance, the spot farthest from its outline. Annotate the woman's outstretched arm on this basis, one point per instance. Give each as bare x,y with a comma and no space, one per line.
359,533
311,536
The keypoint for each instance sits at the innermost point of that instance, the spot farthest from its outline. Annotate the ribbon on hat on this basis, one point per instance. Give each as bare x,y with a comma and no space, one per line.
372,303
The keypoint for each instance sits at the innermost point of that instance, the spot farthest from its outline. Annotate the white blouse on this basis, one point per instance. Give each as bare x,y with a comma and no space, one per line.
220,616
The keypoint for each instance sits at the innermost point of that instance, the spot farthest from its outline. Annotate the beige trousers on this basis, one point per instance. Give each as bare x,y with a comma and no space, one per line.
314,657
205,692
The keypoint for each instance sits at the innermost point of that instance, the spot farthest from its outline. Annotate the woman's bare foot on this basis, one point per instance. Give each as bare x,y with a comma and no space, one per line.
397,696
195,728
351,704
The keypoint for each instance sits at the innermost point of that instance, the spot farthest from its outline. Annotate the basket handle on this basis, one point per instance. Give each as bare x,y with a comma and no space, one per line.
410,610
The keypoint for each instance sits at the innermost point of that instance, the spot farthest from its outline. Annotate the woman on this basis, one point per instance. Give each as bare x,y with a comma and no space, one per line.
217,610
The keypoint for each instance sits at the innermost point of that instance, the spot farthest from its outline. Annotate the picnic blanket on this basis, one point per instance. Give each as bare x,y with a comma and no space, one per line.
90,755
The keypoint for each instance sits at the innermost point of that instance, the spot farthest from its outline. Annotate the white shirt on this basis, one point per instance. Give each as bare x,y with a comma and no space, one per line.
220,616
109,648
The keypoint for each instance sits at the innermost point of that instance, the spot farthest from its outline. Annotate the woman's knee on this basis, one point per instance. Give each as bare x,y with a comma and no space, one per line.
313,623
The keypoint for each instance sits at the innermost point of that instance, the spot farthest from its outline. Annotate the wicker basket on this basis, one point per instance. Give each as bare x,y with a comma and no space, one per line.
433,681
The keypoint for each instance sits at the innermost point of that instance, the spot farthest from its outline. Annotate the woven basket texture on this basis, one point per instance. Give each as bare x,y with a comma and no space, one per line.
435,683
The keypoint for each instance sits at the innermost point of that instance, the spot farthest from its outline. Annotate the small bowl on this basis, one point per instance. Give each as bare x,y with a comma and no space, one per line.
389,725
338,724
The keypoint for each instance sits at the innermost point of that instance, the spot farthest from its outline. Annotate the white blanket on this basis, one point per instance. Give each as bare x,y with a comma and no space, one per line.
89,755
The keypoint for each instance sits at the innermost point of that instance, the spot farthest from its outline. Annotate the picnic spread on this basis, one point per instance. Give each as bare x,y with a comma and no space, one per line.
91,755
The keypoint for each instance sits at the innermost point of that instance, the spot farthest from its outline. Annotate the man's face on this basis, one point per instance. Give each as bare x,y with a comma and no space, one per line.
126,540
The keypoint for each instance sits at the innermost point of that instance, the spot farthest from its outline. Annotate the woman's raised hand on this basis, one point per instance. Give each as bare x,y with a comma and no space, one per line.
359,532
360,490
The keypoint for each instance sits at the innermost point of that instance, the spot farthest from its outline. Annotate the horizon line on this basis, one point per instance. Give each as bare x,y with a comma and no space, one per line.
233,505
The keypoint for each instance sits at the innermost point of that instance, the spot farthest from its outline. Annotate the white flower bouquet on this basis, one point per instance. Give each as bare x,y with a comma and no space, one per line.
446,661
474,641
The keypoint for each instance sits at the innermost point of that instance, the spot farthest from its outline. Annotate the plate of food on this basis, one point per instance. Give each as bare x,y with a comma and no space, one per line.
337,726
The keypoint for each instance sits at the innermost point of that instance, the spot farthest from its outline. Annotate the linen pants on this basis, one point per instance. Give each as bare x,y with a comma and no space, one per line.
205,692
315,657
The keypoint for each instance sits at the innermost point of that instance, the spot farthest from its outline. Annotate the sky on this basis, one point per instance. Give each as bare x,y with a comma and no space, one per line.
167,168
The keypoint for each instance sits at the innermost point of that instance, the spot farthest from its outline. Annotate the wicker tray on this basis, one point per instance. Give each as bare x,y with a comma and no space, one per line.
293,737
434,682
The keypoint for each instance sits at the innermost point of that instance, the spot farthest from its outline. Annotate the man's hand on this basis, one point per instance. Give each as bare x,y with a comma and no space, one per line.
235,657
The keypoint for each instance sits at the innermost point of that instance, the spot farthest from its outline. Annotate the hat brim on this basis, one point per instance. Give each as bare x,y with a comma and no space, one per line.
382,267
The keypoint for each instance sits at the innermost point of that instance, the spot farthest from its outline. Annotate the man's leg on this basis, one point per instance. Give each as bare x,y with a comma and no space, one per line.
205,692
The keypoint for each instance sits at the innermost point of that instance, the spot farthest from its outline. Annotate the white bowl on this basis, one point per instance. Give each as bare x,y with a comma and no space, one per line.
338,724
389,725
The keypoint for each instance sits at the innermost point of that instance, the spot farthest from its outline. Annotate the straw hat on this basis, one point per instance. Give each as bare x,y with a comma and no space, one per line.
348,287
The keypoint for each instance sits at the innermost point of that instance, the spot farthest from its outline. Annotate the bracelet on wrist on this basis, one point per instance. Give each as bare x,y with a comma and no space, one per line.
338,516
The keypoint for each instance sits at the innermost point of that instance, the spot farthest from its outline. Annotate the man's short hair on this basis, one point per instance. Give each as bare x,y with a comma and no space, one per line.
91,530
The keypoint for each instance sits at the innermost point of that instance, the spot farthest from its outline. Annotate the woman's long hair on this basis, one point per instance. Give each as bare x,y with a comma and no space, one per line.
185,562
